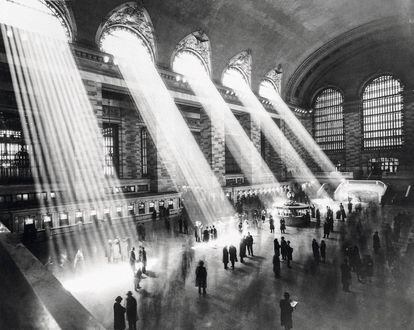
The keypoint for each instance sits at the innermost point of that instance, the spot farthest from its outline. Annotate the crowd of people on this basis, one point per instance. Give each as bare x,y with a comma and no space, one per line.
354,228
204,233
117,249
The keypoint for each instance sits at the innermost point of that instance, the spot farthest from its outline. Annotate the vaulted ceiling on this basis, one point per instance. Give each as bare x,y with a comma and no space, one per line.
277,31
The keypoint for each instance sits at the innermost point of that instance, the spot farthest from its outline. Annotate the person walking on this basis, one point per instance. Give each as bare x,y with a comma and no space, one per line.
276,247
271,224
276,266
283,248
232,255
242,249
282,226
131,311
137,279
119,314
323,251
289,254
376,245
132,259
318,217
249,244
225,257
326,229
349,207
346,275
142,258
201,277
315,250
214,232
286,311
206,235
342,212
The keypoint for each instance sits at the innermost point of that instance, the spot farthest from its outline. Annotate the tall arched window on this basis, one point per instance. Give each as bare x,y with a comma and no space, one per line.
234,78
126,31
117,40
38,16
237,73
192,55
267,89
186,62
329,120
382,105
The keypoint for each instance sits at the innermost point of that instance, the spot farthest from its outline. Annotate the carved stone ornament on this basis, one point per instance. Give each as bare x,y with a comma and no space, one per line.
275,77
199,43
243,62
132,16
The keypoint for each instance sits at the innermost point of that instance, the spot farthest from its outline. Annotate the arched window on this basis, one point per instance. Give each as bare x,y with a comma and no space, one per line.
238,71
382,105
271,83
187,62
118,40
39,16
192,54
234,78
267,89
127,26
329,120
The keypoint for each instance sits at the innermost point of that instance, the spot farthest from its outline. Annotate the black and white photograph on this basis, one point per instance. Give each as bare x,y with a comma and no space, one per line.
206,164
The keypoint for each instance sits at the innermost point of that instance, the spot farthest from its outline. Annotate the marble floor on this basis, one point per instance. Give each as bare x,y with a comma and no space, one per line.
247,297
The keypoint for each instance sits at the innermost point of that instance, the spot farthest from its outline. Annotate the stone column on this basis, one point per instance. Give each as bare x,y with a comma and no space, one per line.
407,160
252,130
160,179
212,143
130,145
353,135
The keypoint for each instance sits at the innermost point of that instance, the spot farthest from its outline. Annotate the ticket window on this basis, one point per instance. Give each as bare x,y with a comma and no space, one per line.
18,225
29,228
170,204
141,208
29,222
119,211
161,207
94,216
79,217
63,219
47,221
151,207
131,209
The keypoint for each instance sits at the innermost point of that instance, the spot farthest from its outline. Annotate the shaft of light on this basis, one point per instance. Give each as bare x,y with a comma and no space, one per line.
58,121
243,150
275,136
304,137
180,154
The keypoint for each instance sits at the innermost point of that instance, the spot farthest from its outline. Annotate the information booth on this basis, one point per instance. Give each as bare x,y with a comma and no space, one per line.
294,214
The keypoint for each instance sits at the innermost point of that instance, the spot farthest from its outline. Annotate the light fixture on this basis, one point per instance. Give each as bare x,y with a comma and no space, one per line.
106,59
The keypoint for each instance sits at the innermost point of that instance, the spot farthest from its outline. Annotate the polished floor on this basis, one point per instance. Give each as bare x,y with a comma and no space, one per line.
247,297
